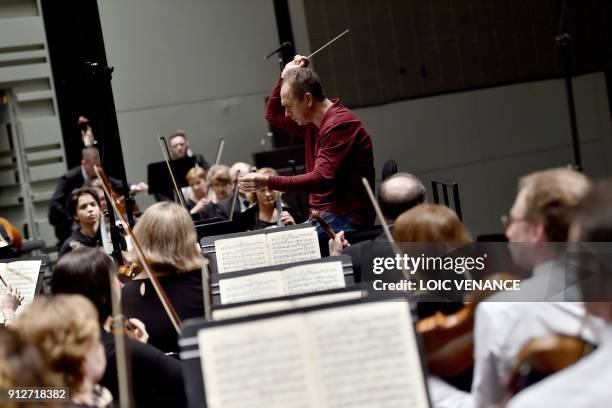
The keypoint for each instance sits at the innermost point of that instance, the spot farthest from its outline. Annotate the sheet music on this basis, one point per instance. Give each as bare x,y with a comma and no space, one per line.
276,305
293,245
315,277
261,364
234,254
22,275
358,356
264,285
249,310
368,356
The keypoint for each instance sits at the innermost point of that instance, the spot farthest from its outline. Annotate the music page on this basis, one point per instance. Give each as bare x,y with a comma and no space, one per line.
22,275
263,285
315,277
235,254
293,245
260,364
368,356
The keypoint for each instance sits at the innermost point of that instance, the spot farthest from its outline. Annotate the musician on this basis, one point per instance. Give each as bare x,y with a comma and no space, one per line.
242,203
219,180
398,193
587,382
169,242
65,331
542,212
263,214
84,207
338,149
157,379
198,200
10,300
180,149
21,366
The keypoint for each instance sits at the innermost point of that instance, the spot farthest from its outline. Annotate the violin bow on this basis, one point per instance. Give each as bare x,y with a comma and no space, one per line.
279,210
164,148
231,216
220,150
383,222
169,309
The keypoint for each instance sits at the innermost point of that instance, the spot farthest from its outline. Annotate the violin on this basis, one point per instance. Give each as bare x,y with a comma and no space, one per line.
315,215
12,231
545,356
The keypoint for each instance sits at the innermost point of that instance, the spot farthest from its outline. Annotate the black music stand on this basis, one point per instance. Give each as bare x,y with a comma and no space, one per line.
159,180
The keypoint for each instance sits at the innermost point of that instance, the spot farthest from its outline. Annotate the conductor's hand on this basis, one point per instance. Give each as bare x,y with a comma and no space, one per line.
252,182
299,61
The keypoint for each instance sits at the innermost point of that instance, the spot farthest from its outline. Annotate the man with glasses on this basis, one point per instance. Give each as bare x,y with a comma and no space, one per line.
542,213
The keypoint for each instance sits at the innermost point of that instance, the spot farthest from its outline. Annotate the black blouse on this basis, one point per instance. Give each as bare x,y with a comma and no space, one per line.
185,293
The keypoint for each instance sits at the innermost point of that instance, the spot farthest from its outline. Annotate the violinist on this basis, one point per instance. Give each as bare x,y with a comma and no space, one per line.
10,239
587,382
169,242
397,194
242,203
59,215
218,179
156,378
542,212
84,207
263,213
338,150
198,200
64,329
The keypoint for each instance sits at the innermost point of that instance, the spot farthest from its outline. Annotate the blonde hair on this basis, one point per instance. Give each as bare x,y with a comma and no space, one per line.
430,223
168,238
551,197
219,172
268,171
63,329
195,173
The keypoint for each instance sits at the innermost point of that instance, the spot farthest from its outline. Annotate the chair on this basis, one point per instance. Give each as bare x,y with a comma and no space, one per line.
446,186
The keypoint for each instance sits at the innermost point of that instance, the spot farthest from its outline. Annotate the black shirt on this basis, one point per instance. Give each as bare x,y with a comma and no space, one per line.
157,379
77,239
185,293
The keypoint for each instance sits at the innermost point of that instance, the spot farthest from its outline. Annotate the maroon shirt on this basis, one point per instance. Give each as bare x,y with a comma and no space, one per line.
338,155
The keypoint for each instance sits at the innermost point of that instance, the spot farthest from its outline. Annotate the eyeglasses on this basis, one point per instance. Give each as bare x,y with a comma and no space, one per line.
507,220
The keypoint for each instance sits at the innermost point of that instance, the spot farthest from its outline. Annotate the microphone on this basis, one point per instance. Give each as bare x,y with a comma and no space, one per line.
283,45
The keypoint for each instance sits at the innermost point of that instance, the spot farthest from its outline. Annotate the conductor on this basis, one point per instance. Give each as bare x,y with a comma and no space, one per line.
338,149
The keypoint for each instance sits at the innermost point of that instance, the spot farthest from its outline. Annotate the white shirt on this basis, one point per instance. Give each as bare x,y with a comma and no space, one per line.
588,383
502,329
444,395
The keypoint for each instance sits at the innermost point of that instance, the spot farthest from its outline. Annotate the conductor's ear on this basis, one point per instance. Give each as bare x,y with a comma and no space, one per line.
309,99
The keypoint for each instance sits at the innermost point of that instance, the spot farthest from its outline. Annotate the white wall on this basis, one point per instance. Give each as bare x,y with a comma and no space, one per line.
198,65
190,64
485,140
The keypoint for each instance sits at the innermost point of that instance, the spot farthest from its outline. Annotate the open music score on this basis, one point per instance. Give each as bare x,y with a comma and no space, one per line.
266,249
22,275
234,312
295,280
353,355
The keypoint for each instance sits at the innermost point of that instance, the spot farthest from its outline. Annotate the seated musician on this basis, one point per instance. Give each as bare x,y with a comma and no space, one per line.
84,207
198,200
542,212
242,202
168,239
398,193
65,331
587,382
263,214
21,366
156,378
218,178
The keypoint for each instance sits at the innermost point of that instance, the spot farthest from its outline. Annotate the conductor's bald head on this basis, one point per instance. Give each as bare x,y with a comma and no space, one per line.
399,193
